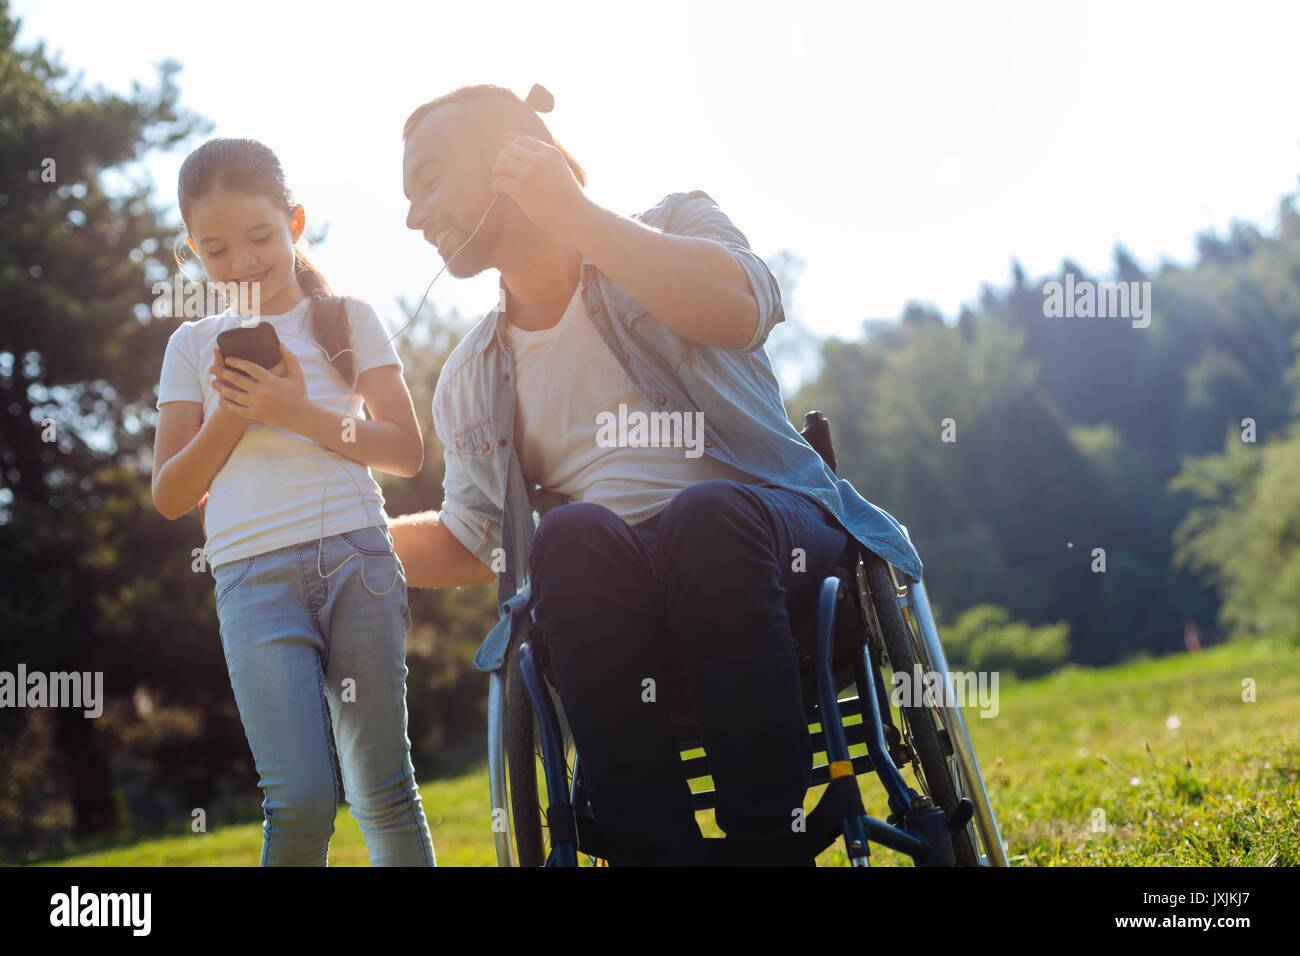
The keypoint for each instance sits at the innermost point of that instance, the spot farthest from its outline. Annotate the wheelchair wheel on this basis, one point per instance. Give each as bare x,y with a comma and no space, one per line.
527,815
525,778
933,764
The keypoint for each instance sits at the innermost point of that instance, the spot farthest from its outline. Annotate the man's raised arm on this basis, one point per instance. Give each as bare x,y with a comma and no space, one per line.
703,282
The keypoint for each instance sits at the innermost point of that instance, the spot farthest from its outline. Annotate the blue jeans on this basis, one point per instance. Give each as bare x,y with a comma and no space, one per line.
714,577
303,649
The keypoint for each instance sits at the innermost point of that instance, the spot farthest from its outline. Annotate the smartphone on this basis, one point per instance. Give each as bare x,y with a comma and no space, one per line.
257,343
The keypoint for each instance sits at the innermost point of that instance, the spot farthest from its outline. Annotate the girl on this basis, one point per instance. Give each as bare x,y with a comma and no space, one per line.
311,598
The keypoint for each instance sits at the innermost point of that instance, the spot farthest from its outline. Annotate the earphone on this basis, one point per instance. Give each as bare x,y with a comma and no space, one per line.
320,544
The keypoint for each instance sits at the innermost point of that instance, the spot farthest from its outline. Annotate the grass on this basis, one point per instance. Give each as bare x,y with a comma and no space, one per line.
1156,762
1183,771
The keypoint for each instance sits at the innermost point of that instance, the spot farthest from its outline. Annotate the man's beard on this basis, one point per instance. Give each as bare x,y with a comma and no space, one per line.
477,254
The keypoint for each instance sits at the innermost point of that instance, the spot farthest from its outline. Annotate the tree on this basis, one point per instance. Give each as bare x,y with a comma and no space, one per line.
984,637
79,358
1244,533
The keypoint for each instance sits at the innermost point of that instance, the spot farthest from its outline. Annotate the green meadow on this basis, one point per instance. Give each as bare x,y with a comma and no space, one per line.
1156,762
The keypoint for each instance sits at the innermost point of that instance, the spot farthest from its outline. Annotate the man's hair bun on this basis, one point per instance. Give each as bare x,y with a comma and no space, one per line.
540,99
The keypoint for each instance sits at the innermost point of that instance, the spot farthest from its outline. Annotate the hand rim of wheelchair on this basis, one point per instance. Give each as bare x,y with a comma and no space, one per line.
947,774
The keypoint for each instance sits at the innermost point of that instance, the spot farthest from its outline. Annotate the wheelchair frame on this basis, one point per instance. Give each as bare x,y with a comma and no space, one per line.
877,620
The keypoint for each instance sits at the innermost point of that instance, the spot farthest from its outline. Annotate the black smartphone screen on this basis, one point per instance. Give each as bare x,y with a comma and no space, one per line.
257,344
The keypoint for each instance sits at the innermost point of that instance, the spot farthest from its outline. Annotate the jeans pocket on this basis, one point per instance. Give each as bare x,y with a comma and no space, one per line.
233,574
369,541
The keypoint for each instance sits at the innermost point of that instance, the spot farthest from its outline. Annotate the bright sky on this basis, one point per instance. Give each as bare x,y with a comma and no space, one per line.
905,151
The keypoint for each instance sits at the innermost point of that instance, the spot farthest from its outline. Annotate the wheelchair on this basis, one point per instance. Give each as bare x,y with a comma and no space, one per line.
866,617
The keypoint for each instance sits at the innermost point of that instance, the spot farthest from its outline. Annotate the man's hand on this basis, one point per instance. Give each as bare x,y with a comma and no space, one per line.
535,175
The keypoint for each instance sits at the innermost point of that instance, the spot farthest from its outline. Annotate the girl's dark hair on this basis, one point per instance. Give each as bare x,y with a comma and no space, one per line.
247,166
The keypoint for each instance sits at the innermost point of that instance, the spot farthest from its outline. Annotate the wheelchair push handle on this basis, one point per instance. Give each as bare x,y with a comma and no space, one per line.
817,432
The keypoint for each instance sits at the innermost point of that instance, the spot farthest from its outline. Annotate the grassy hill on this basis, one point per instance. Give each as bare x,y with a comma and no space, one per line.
1155,762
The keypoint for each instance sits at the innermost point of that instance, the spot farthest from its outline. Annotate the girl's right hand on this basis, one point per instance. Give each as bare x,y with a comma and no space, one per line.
223,416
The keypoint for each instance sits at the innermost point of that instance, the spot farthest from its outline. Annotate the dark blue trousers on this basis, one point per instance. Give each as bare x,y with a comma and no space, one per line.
714,580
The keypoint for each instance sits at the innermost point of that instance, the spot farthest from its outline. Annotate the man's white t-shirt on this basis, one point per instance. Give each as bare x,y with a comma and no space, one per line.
268,495
566,377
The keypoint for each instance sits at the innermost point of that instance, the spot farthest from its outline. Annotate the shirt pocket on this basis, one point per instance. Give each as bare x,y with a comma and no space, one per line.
473,440
641,329
634,316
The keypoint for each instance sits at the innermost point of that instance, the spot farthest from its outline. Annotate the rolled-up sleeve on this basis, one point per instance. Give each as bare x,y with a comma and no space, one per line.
467,511
696,214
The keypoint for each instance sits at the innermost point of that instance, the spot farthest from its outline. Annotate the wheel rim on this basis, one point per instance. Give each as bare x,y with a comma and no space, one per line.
955,772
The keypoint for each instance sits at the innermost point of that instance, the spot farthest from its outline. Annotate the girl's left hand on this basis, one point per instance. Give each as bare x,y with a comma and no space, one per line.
275,396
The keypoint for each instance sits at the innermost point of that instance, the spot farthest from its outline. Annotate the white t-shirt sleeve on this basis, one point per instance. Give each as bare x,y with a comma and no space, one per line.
370,339
179,381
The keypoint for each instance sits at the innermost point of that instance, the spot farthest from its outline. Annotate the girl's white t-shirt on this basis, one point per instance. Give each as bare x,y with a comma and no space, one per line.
279,488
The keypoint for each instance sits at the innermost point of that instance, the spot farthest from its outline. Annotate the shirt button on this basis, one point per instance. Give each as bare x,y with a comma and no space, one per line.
663,400
626,357
487,445
507,378
707,443
595,309
502,443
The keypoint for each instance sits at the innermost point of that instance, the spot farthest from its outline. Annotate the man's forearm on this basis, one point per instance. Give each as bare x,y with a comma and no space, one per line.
694,286
431,556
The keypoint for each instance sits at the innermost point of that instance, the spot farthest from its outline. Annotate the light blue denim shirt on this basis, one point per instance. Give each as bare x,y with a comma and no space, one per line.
488,503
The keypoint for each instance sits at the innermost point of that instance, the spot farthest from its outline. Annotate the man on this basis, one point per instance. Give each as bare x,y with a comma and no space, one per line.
707,542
